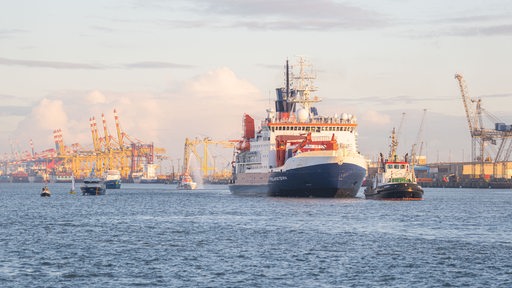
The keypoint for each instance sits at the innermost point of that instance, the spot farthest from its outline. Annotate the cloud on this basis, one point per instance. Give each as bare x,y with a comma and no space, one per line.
47,64
490,24
490,30
156,65
8,33
208,105
96,97
72,65
391,101
13,110
372,117
275,15
501,95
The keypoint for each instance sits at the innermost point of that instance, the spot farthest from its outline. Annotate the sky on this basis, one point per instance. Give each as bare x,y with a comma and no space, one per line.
175,69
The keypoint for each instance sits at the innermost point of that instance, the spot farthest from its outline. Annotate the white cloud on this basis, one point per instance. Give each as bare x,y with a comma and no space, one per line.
372,117
96,97
208,105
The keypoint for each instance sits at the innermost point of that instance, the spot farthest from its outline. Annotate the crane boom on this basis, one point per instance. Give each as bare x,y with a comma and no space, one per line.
473,117
119,132
418,139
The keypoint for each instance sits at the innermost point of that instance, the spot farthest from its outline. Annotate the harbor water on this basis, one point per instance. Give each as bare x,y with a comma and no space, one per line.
152,235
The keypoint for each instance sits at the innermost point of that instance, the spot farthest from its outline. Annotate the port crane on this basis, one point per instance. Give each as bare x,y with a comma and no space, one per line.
206,170
481,137
418,141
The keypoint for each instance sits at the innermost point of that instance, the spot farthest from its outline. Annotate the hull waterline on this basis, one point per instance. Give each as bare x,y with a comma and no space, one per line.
323,181
395,191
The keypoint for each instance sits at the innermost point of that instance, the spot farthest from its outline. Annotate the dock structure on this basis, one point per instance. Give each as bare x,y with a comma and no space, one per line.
126,154
460,175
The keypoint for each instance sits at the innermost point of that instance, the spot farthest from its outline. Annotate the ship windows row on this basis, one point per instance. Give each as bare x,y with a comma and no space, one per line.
311,128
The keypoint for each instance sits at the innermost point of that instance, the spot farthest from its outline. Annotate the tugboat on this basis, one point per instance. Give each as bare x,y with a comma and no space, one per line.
45,192
93,185
395,179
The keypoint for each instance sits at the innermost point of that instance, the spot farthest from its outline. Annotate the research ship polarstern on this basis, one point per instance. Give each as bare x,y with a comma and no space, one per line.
296,152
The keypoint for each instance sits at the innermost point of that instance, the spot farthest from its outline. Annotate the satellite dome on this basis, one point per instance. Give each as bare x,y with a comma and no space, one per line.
302,115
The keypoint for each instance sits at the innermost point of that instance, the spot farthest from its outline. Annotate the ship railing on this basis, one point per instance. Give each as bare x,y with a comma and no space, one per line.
316,120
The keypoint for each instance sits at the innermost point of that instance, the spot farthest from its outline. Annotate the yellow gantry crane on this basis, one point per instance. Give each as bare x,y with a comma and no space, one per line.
191,149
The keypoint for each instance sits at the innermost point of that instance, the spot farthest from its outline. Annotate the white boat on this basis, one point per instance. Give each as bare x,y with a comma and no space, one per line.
186,183
296,152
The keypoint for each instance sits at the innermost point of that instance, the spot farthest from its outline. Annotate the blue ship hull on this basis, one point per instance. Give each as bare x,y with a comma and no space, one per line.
325,180
113,184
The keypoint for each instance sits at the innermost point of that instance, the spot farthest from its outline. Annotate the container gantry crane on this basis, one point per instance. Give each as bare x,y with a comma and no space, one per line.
481,137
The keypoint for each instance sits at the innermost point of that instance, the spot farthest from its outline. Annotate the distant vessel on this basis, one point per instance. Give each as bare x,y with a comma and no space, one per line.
186,183
5,179
19,176
62,177
136,177
45,192
35,178
395,179
296,152
147,176
112,179
93,185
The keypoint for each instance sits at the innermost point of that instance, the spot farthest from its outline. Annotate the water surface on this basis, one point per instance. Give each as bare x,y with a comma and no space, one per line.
152,235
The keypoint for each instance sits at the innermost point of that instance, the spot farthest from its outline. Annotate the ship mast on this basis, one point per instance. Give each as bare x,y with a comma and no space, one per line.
305,86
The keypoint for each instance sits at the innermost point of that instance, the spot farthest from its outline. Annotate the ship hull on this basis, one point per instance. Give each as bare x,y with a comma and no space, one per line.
328,180
113,184
395,191
91,191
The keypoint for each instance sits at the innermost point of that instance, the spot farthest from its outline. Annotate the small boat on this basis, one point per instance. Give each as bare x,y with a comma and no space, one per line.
394,180
45,192
93,186
186,183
